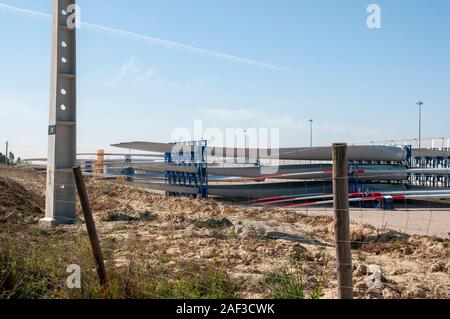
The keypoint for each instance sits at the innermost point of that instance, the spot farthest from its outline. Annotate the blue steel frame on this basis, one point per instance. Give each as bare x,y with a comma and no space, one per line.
197,158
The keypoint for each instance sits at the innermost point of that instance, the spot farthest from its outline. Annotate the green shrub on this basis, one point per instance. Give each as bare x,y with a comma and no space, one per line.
286,284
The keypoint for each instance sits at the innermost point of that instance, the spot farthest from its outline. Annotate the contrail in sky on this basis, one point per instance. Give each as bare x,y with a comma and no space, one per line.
155,41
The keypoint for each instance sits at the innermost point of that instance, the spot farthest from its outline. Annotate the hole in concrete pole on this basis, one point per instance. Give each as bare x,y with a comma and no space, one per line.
64,44
63,91
62,186
63,60
63,107
64,12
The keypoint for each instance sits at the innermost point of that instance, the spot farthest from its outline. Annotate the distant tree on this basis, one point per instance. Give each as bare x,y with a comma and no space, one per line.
10,159
2,159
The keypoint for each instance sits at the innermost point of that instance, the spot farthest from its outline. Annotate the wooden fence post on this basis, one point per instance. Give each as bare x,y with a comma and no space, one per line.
90,225
342,222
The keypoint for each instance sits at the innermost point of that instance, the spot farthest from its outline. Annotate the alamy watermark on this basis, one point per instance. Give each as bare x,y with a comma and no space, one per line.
230,144
374,18
73,13
74,279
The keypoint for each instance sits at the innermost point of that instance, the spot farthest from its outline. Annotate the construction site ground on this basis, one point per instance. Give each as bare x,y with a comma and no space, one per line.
263,252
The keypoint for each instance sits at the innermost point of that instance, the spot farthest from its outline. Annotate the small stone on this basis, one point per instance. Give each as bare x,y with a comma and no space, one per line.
297,249
147,216
239,229
261,231
436,268
361,286
416,292
390,294
361,270
407,251
247,261
398,272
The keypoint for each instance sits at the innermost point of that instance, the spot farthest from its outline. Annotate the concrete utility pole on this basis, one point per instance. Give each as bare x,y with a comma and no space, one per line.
420,123
61,190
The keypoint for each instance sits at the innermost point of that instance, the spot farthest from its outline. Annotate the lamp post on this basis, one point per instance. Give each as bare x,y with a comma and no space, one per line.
6,154
311,133
247,160
420,123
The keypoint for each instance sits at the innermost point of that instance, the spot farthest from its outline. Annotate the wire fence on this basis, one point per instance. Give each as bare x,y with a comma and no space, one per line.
393,217
390,220
282,246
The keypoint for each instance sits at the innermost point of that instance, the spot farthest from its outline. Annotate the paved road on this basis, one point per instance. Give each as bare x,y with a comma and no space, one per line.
416,221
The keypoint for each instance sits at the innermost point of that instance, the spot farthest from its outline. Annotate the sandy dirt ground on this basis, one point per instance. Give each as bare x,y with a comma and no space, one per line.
250,243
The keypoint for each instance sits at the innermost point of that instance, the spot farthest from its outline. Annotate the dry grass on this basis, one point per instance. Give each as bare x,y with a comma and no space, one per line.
158,247
33,265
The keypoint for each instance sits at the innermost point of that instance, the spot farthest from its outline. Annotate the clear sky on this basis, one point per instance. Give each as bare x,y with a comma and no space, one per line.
231,63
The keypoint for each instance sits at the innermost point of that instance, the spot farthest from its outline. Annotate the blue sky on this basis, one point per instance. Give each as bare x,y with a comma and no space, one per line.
244,64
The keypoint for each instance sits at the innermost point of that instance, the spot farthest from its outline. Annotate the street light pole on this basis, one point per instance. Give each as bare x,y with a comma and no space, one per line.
420,123
245,147
311,134
6,154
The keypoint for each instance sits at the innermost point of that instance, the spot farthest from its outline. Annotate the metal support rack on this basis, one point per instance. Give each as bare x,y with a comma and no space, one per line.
187,173
433,181
356,187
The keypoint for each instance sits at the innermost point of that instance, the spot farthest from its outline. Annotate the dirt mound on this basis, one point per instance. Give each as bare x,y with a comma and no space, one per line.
19,204
30,179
